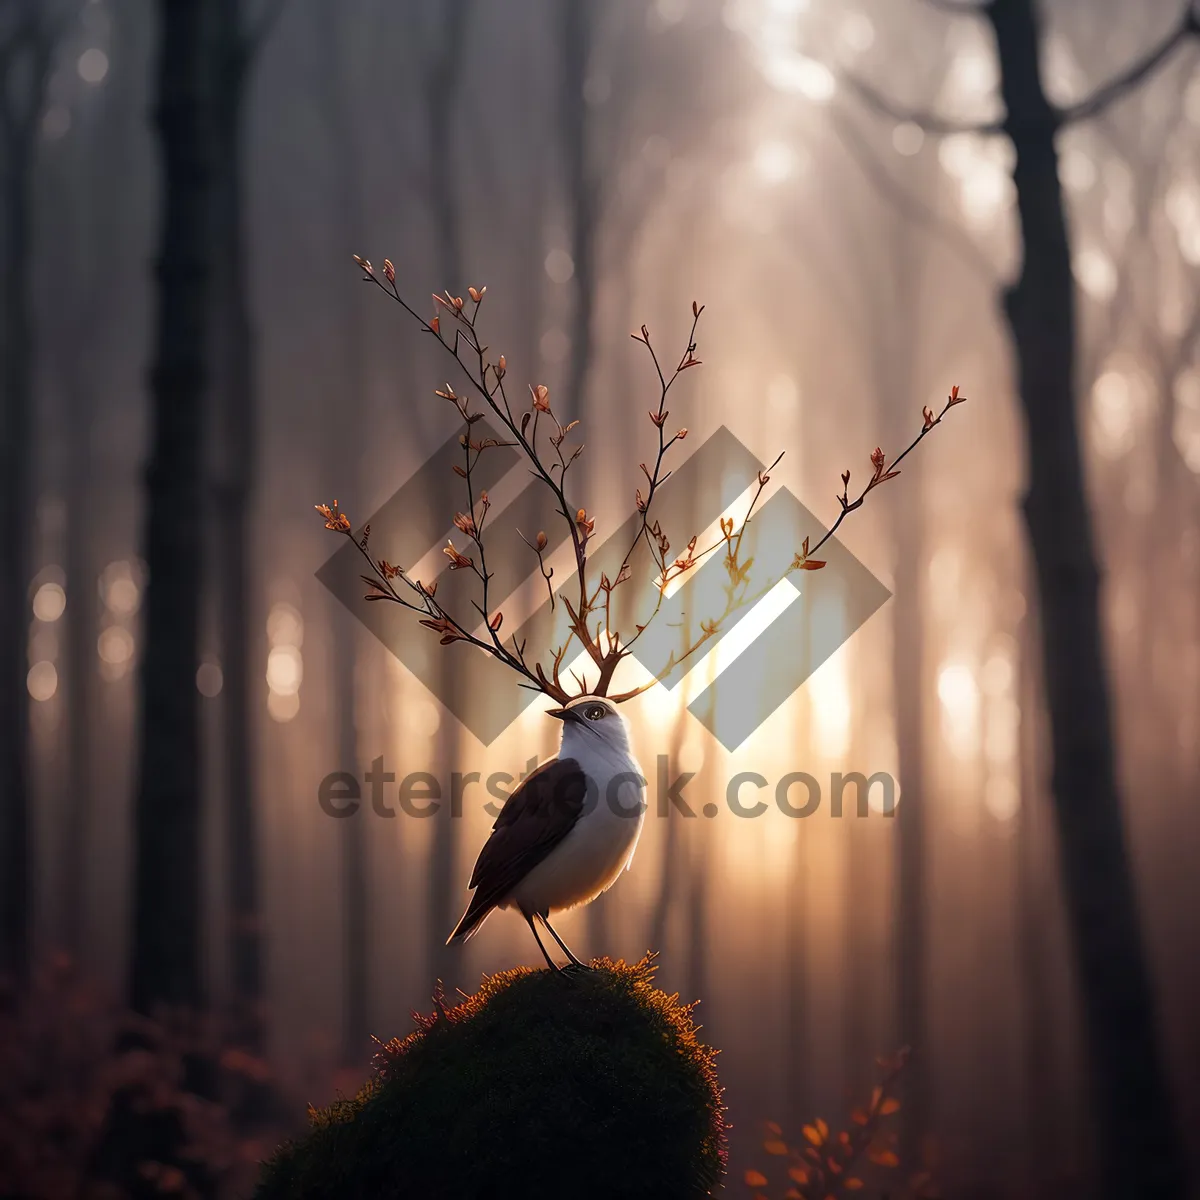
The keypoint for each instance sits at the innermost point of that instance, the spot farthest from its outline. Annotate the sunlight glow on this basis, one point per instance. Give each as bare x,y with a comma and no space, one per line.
959,694
115,646
982,168
1095,272
856,33
1076,170
560,266
49,602
908,138
285,670
1183,211
1120,400
119,589
92,65
830,691
283,707
662,706
42,681
972,77
422,717
209,679
1064,80
285,627
670,12
804,76
775,162
997,675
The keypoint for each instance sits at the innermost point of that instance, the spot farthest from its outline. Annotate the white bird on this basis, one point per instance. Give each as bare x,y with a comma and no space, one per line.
567,831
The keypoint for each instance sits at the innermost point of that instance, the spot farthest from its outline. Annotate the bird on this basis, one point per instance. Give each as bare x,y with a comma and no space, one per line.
567,831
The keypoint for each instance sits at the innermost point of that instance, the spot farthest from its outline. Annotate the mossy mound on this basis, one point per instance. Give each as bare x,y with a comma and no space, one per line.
591,1084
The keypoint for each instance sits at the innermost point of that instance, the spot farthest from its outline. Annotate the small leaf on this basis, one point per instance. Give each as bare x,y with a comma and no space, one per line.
775,1146
813,1134
889,1106
495,623
852,1184
755,1179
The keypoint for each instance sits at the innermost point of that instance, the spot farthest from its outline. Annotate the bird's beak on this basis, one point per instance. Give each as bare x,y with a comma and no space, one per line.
563,714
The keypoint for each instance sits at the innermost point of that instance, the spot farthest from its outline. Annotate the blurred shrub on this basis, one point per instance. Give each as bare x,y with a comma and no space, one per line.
99,1104
590,1084
829,1165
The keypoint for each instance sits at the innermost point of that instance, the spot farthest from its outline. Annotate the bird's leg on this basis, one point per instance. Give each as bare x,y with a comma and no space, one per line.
563,945
533,928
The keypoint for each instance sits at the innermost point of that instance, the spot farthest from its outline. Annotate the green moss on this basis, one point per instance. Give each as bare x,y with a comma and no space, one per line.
539,1085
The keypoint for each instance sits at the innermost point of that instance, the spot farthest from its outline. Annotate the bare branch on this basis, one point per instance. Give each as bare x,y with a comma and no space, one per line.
1186,27
965,9
928,122
910,208
590,612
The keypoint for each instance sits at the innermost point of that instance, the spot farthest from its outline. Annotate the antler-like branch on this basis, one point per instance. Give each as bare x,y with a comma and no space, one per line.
589,609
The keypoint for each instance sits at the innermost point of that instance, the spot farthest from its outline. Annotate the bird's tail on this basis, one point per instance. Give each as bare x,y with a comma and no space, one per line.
472,919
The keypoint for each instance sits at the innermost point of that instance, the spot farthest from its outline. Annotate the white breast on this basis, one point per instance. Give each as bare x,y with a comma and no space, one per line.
600,846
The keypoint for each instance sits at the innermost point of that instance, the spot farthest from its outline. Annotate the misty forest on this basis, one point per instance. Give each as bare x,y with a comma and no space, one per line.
242,244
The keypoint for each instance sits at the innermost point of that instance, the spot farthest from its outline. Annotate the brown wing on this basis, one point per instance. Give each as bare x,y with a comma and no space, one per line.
539,813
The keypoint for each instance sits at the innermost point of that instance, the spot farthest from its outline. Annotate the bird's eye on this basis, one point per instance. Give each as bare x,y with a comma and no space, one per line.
595,712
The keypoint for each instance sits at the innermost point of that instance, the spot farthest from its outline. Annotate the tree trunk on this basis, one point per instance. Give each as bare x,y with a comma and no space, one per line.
81,622
22,91
165,964
15,456
581,194
1137,1138
236,420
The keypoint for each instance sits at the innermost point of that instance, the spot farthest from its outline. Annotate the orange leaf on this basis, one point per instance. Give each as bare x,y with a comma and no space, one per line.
884,1158
755,1179
823,1128
853,1184
772,1127
799,1174
775,1147
812,1134
889,1106
812,564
